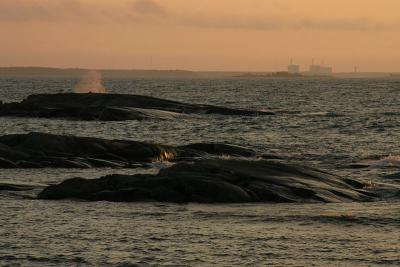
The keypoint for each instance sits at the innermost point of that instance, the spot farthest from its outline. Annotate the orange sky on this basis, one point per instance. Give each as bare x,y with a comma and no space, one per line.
253,35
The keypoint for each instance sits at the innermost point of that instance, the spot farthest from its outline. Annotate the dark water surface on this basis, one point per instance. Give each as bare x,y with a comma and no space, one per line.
327,123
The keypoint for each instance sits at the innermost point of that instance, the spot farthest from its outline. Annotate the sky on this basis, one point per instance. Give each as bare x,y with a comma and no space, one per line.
230,35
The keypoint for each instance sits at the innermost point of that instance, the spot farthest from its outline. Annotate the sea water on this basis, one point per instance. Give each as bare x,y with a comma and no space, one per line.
325,123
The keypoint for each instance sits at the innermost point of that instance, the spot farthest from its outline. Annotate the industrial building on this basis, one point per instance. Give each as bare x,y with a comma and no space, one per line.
320,70
293,69
314,69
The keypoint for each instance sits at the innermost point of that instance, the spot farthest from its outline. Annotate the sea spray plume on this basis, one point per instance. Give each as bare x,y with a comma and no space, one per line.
90,83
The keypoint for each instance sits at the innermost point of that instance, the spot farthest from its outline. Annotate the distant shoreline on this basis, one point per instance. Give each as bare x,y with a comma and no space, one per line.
45,72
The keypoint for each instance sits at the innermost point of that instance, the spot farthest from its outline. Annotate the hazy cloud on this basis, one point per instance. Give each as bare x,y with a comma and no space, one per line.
78,10
149,7
357,24
44,10
145,11
17,10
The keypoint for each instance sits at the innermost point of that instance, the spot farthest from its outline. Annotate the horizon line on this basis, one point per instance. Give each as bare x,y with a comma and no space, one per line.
177,69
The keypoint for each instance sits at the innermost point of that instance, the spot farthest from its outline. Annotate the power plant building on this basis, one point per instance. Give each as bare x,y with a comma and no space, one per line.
320,70
314,69
293,69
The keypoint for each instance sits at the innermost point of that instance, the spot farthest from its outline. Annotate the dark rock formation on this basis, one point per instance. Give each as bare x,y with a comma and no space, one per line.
7,164
37,150
200,175
216,180
109,107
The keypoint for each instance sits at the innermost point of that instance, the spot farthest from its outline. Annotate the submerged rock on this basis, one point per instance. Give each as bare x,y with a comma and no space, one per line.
388,161
108,107
217,180
19,186
220,149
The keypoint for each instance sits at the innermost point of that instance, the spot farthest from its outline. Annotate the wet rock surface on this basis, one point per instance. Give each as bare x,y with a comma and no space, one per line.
203,172
38,150
111,107
217,181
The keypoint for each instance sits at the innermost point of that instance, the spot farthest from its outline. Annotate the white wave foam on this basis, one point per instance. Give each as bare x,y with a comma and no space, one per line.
90,83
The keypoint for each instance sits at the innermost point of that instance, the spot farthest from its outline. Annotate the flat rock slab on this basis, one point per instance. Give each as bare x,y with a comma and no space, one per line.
111,107
39,150
217,181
